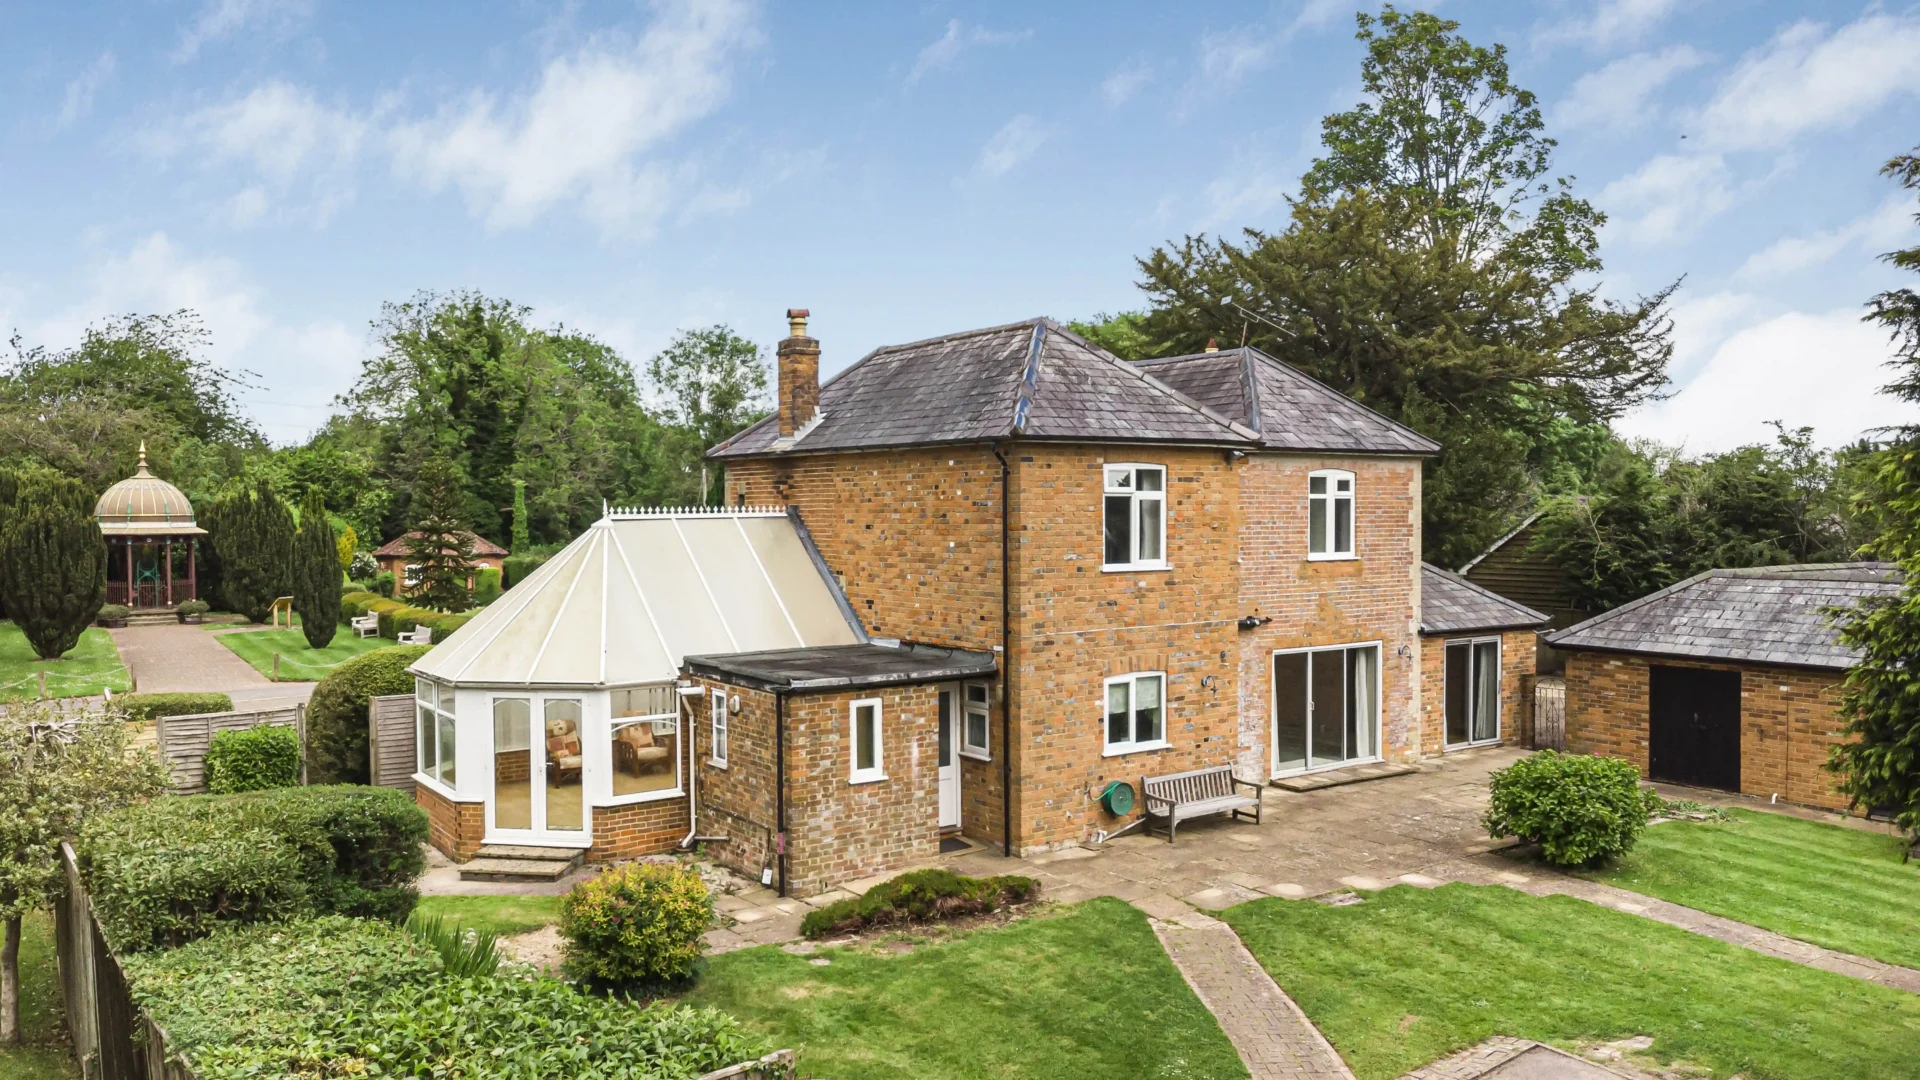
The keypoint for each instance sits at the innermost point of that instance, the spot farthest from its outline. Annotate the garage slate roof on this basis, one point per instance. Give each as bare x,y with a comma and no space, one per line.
1033,380
1450,604
1762,615
1289,409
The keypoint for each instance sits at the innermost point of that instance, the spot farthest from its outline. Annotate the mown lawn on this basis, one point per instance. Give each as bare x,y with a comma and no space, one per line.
91,666
1838,887
500,915
1413,974
44,1053
1085,994
298,662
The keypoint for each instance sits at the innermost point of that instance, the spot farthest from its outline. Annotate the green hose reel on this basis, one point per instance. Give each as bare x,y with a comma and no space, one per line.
1118,798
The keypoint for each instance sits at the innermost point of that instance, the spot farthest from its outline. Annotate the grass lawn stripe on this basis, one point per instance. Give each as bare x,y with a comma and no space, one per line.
1842,888
1414,974
1086,994
92,665
298,662
500,915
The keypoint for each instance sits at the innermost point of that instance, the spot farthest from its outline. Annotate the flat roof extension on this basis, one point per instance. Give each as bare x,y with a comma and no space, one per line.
843,667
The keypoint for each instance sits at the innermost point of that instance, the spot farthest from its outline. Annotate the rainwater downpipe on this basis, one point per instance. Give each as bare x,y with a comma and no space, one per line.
1006,659
681,695
780,787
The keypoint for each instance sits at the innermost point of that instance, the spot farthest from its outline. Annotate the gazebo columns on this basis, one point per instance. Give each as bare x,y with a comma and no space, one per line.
132,594
193,584
169,558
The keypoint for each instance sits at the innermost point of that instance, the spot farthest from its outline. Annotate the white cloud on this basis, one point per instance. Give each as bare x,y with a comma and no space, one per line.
283,135
583,132
1805,79
1613,23
1226,58
1888,226
1252,186
1666,198
957,39
1016,141
78,101
1120,86
221,19
1617,96
1820,370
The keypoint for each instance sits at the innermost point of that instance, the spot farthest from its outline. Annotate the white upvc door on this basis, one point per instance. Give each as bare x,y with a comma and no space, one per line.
537,793
949,757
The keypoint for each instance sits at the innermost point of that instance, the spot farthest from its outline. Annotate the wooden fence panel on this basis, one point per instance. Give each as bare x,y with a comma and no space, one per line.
390,741
183,740
1550,713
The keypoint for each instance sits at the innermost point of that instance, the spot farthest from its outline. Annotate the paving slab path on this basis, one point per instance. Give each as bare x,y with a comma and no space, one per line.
176,657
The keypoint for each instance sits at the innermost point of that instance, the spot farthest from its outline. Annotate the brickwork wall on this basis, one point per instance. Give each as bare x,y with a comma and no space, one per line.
737,801
1788,722
453,827
1375,597
634,829
1516,689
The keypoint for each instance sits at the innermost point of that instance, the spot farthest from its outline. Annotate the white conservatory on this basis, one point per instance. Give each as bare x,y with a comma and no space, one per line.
554,719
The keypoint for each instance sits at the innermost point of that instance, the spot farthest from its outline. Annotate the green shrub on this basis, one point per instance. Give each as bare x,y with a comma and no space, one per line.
337,711
1580,809
462,952
190,608
257,759
639,924
146,707
919,896
356,998
515,568
171,870
486,585
113,612
383,583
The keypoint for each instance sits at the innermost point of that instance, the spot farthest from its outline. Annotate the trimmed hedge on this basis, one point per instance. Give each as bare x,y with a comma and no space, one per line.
145,707
515,568
397,618
636,925
919,896
337,711
383,583
486,585
1581,809
257,759
172,870
356,998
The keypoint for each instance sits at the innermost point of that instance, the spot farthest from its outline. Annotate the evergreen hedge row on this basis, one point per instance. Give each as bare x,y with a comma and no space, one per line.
148,707
173,870
255,759
397,618
337,711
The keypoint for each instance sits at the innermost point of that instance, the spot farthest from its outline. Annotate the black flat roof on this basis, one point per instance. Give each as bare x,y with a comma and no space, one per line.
843,667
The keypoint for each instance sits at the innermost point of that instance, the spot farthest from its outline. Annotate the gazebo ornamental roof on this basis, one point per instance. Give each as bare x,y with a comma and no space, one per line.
145,505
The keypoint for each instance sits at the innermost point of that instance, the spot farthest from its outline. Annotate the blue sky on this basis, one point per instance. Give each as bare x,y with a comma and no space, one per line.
284,166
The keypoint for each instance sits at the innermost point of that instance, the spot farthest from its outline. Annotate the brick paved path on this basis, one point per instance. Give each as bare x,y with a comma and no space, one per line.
173,657
1272,1035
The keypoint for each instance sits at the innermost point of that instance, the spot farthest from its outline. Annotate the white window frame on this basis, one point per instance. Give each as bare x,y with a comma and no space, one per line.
1379,732
855,774
436,778
1499,690
1109,748
1109,488
1331,499
718,724
984,710
664,723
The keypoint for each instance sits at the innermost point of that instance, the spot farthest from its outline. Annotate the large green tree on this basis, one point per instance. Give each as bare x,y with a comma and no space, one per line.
315,573
1433,271
439,546
252,532
56,772
53,562
712,383
1879,764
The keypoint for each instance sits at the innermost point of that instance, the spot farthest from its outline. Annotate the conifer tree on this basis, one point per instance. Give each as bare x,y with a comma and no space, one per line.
316,573
254,540
53,564
440,545
522,536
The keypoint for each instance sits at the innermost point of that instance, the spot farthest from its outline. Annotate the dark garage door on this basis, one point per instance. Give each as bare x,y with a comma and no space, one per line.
1693,727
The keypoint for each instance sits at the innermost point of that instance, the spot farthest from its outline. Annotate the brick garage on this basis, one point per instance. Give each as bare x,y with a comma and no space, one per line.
1454,612
1727,679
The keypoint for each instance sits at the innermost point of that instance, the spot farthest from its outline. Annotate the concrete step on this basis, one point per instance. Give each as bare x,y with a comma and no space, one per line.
1338,777
510,862
528,851
152,618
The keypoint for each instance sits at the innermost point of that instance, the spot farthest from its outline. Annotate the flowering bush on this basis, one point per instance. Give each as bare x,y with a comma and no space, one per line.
637,924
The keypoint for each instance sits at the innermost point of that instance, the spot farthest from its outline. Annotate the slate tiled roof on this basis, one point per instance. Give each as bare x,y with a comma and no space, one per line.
397,546
1450,604
1763,615
1034,380
1289,409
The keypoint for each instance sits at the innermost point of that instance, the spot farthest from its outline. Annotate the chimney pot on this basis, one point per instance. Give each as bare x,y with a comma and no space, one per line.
797,321
798,375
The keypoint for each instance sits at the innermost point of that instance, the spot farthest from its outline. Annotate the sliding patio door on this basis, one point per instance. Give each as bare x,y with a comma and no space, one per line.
1473,691
1326,709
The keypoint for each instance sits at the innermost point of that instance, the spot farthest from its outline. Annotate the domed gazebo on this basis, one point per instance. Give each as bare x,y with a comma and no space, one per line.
148,525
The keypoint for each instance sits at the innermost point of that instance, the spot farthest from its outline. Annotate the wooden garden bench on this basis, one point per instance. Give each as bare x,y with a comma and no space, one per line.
365,625
1197,793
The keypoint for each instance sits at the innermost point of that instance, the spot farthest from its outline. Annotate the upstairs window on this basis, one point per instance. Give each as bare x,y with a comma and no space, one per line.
1135,526
1330,514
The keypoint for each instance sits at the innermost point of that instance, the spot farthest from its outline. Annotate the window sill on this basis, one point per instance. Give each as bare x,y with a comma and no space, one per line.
440,789
865,778
1134,568
1134,748
1311,557
976,755
1451,747
643,797
718,763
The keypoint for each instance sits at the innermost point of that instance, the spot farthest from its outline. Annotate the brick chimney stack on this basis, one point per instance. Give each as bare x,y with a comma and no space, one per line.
798,375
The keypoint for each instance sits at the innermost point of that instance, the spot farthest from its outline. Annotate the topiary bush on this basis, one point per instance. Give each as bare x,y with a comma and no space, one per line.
148,707
337,711
256,759
383,583
191,609
113,614
639,924
172,870
919,896
1581,809
486,585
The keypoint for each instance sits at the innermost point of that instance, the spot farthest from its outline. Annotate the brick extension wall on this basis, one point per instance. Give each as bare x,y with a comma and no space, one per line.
1516,688
1788,721
453,827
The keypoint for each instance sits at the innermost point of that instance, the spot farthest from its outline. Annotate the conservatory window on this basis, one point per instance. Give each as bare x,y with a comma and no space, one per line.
436,736
646,741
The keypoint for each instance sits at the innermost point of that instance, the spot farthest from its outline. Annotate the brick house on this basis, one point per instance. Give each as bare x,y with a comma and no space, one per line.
1476,656
1726,680
394,557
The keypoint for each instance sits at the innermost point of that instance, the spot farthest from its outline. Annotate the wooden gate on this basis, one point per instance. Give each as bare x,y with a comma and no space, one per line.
1549,713
390,741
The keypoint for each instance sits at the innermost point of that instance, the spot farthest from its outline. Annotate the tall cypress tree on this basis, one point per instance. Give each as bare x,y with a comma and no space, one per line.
316,573
53,564
522,536
439,543
254,540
